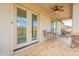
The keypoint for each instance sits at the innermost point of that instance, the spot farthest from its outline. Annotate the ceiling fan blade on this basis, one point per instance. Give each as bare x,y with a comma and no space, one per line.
61,6
53,9
57,8
61,9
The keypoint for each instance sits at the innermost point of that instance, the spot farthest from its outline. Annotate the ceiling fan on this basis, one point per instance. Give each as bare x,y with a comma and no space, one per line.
57,8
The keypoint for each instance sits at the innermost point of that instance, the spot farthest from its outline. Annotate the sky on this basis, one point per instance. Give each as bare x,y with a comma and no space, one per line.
23,22
68,22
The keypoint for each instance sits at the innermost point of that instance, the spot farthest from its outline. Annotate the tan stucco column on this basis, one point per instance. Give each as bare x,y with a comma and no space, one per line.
75,19
75,30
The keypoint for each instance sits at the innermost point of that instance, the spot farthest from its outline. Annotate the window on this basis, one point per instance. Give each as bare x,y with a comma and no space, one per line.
53,25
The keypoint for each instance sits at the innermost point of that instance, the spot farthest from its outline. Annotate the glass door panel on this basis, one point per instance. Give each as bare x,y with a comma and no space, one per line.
34,27
21,26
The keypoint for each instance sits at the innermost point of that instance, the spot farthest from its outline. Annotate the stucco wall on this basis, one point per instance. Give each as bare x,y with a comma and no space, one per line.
5,17
75,18
5,25
7,31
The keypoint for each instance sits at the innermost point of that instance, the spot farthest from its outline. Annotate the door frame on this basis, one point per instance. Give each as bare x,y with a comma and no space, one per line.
29,23
22,44
35,13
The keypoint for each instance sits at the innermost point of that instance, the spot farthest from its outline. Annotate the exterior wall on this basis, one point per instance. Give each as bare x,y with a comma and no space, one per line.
7,15
75,30
5,32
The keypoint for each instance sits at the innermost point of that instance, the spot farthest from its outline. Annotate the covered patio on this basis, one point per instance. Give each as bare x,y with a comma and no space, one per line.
39,29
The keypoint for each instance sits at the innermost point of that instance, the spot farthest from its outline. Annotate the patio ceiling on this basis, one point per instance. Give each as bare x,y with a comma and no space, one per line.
66,14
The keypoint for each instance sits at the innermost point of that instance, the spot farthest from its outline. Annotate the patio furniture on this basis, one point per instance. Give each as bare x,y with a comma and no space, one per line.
49,35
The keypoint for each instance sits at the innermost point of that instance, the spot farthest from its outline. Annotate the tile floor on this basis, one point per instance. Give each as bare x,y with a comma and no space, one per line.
49,48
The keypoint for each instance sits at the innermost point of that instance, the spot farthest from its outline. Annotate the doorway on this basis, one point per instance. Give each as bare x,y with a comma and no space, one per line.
26,27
